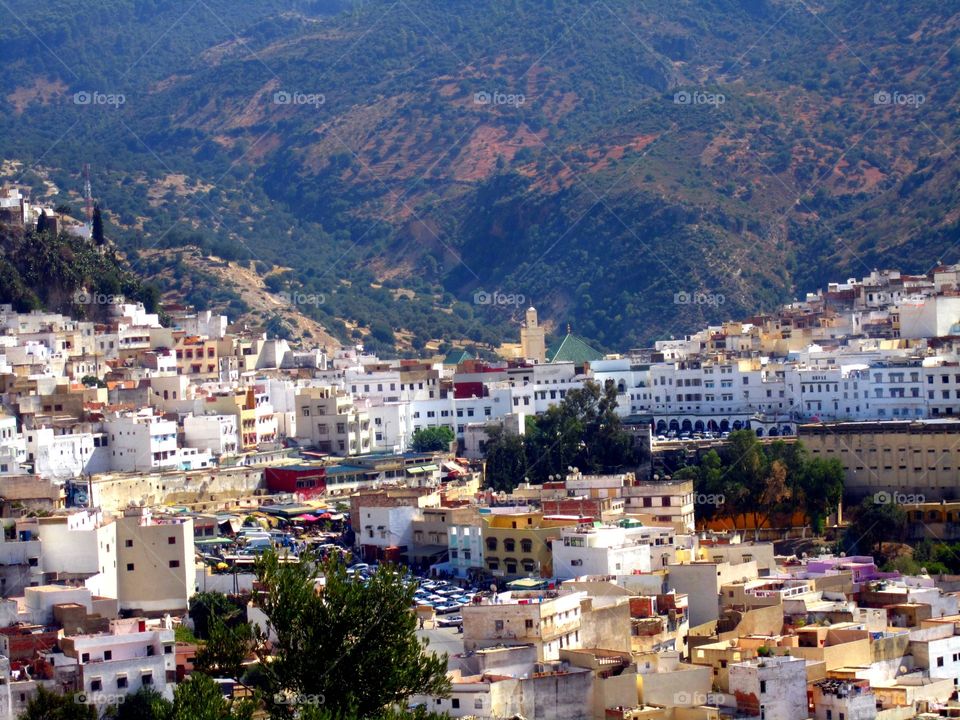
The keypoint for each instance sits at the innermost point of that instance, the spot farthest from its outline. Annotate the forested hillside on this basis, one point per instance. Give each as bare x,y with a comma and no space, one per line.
404,160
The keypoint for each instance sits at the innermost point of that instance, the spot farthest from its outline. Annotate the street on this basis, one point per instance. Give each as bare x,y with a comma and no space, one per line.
443,640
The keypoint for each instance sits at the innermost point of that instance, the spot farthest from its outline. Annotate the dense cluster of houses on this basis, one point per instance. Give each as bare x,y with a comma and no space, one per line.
126,444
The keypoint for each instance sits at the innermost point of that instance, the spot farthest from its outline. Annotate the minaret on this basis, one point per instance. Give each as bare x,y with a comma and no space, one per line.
533,338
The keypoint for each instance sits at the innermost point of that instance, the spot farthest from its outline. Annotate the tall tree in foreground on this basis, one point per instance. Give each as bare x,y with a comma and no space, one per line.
352,646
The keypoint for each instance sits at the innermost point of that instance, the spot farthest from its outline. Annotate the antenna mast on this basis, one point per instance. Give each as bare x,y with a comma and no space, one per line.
87,194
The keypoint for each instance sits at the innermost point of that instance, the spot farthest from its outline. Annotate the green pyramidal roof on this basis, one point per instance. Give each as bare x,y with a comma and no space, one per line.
573,349
457,356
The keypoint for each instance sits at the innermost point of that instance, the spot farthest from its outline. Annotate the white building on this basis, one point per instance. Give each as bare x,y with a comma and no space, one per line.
835,699
465,546
771,688
612,550
385,527
141,442
130,657
60,455
216,433
329,421
79,546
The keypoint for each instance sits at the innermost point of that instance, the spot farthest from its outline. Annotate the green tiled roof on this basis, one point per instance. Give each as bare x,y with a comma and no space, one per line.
573,349
457,356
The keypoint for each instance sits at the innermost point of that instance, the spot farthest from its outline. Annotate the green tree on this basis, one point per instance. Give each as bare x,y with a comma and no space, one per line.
98,237
204,606
710,483
352,644
874,523
226,649
47,705
821,488
432,439
506,465
144,704
200,698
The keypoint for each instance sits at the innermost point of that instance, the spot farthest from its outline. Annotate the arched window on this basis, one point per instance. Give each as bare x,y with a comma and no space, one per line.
492,544
526,546
509,545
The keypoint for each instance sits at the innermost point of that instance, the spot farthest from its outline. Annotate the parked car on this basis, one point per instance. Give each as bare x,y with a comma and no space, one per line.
450,621
446,608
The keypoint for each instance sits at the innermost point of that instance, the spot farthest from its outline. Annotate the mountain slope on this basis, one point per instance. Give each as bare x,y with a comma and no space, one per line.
605,161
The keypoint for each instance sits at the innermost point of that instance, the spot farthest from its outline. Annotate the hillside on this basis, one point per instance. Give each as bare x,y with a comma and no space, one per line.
65,274
599,160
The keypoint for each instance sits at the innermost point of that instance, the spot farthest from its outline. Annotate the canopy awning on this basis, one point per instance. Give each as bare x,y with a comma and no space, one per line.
421,469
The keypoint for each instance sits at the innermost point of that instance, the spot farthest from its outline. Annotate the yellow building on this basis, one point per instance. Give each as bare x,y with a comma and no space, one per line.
242,404
519,544
897,461
196,355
